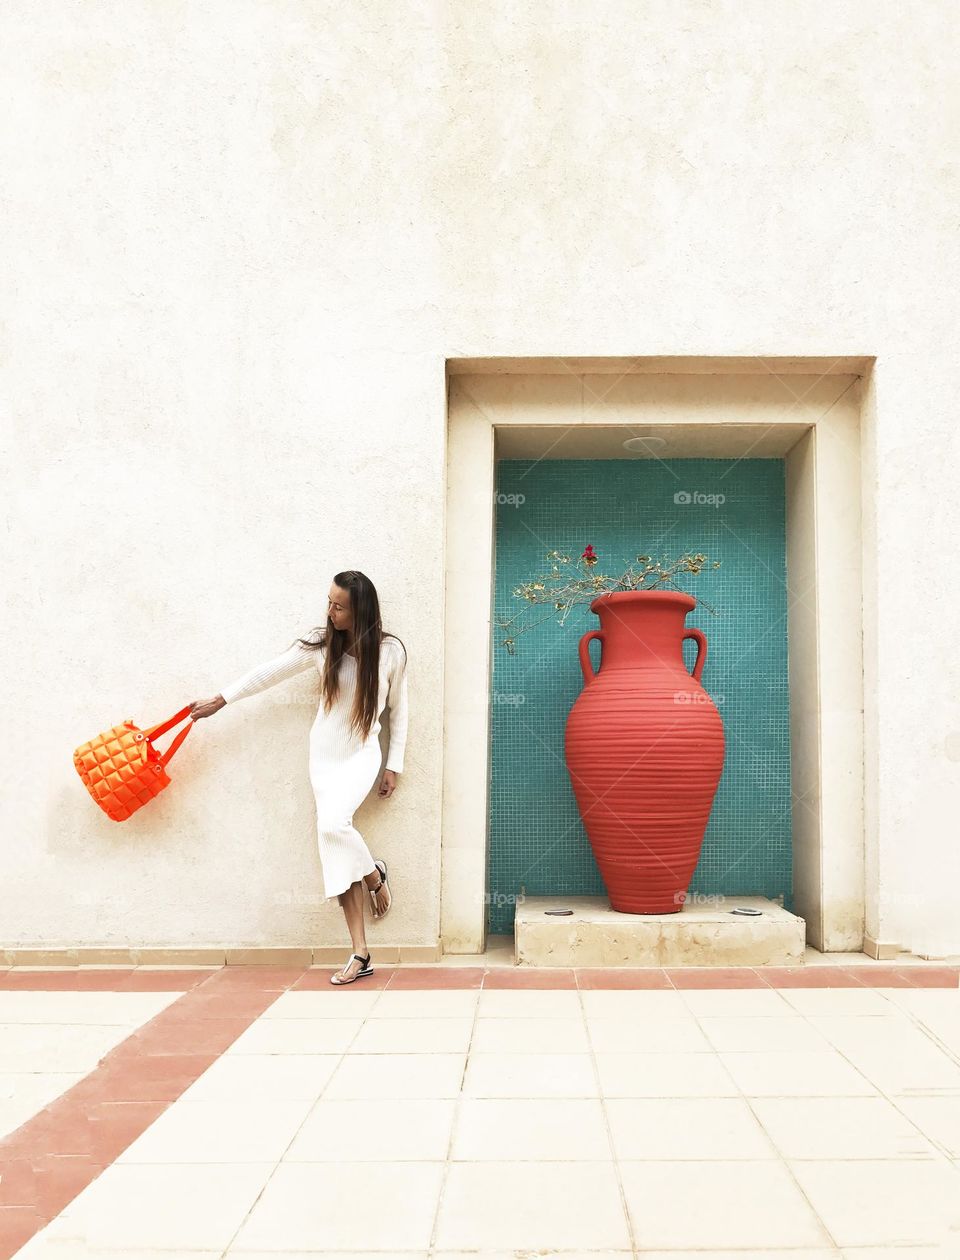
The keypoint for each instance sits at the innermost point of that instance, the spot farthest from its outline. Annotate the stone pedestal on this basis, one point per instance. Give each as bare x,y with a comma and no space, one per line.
700,935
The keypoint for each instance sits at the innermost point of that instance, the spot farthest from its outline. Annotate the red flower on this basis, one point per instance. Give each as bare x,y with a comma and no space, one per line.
589,556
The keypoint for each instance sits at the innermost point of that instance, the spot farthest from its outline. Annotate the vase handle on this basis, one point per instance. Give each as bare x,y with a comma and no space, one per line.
585,662
701,639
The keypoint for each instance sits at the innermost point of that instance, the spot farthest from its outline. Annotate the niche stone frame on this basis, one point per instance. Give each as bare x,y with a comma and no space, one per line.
806,411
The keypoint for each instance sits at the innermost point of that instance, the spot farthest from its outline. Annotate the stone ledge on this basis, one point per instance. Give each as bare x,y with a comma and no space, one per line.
208,956
698,936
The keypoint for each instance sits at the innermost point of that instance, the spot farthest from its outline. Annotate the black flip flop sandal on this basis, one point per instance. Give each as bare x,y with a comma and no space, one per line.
365,970
382,869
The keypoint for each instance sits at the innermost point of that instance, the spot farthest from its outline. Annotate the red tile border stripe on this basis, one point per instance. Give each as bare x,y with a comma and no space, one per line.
57,1153
236,978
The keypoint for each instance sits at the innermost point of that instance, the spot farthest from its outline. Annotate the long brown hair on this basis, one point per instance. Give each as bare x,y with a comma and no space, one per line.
368,633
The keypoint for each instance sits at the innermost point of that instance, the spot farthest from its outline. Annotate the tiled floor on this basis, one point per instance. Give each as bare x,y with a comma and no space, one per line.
441,1112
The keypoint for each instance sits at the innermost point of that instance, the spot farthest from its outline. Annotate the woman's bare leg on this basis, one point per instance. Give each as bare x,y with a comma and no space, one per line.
352,903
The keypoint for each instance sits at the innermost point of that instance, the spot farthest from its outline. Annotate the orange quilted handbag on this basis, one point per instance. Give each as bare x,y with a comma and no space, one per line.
121,768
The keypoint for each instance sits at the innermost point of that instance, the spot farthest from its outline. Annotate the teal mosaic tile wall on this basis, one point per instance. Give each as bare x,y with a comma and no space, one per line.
626,507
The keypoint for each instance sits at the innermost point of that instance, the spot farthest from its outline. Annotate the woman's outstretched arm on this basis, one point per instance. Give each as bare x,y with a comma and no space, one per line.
278,668
294,660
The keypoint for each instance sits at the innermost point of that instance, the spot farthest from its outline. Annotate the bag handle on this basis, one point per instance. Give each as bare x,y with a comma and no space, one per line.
161,729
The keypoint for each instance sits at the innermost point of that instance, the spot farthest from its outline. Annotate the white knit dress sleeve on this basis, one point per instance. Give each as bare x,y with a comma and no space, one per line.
397,704
294,661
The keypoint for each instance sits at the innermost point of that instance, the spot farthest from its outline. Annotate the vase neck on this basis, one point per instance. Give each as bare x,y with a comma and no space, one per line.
638,635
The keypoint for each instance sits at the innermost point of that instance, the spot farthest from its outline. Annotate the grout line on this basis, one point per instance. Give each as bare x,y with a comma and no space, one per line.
432,1245
606,1122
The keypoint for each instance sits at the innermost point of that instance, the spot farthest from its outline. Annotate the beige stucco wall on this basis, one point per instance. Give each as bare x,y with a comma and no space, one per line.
240,240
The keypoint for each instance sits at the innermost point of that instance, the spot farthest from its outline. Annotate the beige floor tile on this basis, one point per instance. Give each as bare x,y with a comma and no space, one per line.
779,1032
23,1094
530,1036
34,1047
426,1004
530,1076
41,1247
664,1076
234,1253
346,1003
633,1004
897,1253
531,1206
613,1035
219,1132
715,1205
270,1076
538,1129
838,1002
925,1002
413,1036
296,1036
346,1206
923,1069
388,1129
945,1028
397,1076
540,1253
747,1003
785,1074
883,1202
40,1006
853,1031
529,1004
176,1207
840,1128
759,1253
937,1117
686,1128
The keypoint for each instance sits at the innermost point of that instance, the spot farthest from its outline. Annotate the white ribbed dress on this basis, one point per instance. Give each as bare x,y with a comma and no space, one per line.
342,768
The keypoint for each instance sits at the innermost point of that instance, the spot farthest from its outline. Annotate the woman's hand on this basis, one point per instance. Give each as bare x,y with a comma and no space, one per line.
388,783
206,708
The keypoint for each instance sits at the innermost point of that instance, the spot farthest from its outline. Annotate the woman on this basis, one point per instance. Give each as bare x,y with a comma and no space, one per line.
361,668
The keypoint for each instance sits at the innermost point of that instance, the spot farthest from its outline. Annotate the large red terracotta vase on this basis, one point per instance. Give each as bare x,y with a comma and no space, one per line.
644,747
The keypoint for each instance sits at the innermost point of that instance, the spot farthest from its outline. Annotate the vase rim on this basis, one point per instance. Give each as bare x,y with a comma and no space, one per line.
660,597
